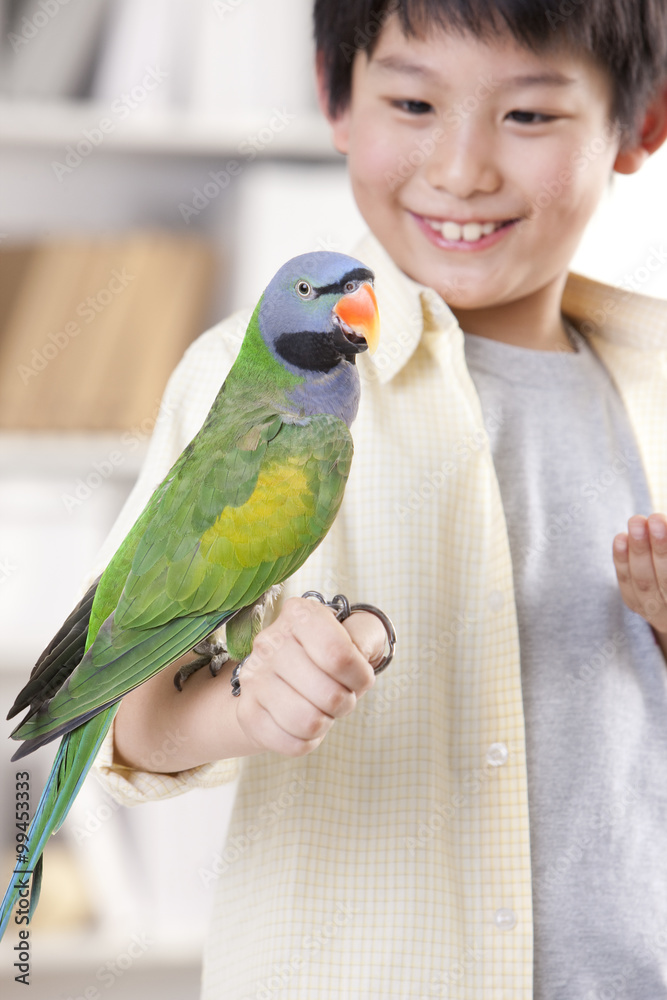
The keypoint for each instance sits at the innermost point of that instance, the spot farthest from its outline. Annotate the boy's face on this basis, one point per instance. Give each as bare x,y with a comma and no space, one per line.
477,165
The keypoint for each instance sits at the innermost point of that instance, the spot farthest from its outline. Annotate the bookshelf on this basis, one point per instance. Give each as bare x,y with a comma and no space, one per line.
30,124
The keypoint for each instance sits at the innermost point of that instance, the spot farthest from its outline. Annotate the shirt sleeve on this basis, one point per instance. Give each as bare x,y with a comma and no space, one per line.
187,399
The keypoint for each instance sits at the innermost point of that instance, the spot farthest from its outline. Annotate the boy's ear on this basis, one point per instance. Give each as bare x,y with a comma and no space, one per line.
340,130
651,136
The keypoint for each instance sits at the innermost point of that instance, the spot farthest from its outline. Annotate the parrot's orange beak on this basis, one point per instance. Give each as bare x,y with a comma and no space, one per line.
359,314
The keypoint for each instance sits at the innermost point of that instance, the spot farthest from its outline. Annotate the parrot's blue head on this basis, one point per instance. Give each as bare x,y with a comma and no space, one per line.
317,313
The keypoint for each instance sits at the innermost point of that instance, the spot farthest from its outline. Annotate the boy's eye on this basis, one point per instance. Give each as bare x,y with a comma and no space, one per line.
414,107
530,117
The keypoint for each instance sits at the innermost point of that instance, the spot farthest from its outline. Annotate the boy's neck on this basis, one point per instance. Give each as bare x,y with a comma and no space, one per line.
534,321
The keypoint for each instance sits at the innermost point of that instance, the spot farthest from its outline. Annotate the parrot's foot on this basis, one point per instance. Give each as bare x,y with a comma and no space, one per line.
212,654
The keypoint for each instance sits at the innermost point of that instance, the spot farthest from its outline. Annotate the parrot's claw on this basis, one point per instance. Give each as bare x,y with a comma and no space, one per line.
213,654
216,663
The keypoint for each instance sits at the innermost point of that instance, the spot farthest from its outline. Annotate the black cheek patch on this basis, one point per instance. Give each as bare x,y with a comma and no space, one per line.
313,352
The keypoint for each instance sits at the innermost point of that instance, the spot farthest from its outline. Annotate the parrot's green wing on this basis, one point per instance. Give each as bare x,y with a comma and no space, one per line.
225,525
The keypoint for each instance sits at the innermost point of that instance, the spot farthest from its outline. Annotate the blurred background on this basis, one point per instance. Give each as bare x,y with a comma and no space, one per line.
159,160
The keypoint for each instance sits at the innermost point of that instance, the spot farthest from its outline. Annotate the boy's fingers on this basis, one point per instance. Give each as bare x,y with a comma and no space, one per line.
291,711
268,735
657,524
328,643
316,685
368,634
622,566
641,568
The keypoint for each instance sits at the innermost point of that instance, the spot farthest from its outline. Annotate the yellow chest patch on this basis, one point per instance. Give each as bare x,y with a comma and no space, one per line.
269,524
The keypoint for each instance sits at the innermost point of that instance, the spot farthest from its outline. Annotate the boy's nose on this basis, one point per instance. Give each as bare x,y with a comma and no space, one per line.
463,164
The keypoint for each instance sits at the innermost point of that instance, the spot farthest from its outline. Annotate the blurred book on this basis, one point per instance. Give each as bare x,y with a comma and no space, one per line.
49,47
216,57
90,330
253,56
142,35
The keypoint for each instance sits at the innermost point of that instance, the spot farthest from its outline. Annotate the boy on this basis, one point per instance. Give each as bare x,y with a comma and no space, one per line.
488,821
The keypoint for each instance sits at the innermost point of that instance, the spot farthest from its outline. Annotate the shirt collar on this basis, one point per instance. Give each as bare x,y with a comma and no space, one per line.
409,309
615,314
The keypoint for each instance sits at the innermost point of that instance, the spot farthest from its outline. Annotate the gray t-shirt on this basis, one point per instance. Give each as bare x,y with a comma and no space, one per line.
594,680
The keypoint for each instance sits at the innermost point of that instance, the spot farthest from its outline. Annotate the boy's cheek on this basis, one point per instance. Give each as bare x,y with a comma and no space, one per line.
373,150
375,172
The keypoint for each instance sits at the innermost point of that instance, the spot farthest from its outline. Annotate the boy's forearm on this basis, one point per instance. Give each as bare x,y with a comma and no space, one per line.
194,726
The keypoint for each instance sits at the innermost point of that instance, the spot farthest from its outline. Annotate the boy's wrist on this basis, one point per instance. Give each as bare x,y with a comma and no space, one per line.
203,714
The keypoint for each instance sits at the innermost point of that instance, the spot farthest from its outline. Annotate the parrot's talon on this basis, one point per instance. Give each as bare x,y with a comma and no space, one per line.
216,663
213,654
344,609
188,670
235,678
210,647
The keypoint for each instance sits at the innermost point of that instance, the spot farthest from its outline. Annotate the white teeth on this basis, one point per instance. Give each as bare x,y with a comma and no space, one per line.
469,233
451,231
472,231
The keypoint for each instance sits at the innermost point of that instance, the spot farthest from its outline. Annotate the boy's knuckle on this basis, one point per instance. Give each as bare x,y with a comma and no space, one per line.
339,655
294,610
261,645
312,724
339,701
367,683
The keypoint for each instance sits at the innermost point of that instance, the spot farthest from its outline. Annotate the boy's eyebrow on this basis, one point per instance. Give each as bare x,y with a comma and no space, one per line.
551,78
399,65
396,64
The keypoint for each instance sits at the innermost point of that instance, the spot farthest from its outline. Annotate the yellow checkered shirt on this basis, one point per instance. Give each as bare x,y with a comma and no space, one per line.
394,861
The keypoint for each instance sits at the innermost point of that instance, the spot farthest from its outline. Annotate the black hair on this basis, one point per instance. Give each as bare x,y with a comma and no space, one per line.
628,38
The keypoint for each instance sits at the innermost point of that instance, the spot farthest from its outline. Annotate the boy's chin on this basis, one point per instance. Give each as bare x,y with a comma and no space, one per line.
460,291
465,295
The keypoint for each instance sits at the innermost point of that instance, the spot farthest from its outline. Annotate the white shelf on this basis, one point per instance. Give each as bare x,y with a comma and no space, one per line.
62,952
40,125
48,453
47,545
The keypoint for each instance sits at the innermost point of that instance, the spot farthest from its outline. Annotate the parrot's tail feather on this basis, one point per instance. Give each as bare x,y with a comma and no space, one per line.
75,756
59,658
36,887
153,648
67,727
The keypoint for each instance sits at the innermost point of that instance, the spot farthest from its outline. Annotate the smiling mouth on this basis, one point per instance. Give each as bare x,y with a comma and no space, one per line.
467,232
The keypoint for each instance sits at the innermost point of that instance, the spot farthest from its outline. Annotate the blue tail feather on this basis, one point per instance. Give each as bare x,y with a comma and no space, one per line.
74,759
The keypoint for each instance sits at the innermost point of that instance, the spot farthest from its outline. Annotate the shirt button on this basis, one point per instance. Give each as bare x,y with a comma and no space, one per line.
504,919
497,754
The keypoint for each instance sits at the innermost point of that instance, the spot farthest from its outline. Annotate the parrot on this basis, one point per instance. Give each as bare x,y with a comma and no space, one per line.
243,506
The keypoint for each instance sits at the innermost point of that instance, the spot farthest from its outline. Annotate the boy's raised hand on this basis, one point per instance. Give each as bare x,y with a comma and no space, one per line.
305,671
640,558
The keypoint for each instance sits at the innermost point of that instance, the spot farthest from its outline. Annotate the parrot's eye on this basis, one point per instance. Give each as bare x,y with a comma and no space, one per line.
303,289
350,286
